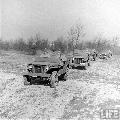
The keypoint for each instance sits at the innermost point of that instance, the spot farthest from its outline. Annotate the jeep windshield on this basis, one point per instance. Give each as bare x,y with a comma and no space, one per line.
39,68
47,59
78,60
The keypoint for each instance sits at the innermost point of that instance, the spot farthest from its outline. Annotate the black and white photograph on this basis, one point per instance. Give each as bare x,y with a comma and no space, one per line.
59,59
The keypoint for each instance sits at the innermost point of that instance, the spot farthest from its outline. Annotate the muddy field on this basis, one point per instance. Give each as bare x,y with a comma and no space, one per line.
81,97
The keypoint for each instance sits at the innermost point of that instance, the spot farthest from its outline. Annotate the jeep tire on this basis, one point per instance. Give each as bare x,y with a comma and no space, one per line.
88,63
65,76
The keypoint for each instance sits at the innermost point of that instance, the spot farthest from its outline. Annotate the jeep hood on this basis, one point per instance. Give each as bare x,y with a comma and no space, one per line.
47,61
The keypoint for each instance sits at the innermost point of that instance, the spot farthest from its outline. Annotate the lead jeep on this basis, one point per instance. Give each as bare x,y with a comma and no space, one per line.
80,60
46,69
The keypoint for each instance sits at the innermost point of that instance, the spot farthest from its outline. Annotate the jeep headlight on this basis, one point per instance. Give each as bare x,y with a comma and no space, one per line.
46,68
29,67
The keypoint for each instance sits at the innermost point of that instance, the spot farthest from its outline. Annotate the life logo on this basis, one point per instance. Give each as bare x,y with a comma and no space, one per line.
109,114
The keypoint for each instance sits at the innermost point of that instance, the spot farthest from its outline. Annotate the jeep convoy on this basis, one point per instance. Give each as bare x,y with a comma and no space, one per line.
54,68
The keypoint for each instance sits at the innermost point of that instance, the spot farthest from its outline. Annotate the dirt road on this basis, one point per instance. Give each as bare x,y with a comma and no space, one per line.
81,97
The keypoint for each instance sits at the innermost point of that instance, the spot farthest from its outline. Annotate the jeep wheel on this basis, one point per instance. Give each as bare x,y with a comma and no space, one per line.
54,79
88,63
26,81
94,59
65,76
70,67
85,67
32,81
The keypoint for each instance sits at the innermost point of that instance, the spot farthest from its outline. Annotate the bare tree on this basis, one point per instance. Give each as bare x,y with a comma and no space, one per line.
115,41
75,34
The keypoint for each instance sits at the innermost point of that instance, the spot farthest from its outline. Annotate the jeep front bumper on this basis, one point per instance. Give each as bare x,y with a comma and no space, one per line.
37,75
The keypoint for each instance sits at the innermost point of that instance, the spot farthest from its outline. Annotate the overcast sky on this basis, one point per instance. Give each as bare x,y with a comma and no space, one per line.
53,18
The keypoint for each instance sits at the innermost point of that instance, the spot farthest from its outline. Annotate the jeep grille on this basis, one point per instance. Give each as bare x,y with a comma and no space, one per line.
78,60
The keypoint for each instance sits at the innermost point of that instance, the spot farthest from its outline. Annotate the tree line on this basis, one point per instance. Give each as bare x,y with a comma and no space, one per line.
31,46
74,41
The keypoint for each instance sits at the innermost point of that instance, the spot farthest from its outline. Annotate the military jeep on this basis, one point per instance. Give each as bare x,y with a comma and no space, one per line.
105,54
46,69
80,60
